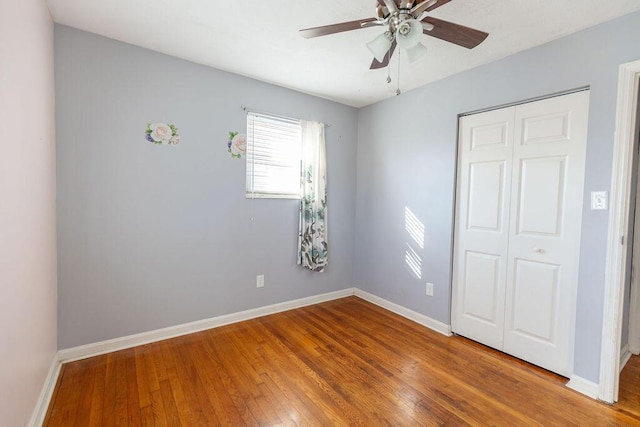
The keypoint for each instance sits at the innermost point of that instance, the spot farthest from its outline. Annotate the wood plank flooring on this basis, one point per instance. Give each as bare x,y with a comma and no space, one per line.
629,396
344,362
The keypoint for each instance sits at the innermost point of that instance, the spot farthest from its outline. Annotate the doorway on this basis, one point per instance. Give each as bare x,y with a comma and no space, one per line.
630,332
619,223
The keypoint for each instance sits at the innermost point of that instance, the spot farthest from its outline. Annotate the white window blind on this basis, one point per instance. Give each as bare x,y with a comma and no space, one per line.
274,147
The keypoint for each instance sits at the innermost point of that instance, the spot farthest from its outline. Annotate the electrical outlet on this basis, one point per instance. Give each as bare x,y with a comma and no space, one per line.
260,281
430,289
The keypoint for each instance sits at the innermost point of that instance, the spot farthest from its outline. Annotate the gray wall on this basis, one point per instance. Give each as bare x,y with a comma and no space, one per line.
410,162
153,236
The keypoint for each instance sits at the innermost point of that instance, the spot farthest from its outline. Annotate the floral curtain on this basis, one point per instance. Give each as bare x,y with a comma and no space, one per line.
312,237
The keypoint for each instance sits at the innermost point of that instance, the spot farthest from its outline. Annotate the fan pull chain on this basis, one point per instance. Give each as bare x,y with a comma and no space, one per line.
389,66
398,92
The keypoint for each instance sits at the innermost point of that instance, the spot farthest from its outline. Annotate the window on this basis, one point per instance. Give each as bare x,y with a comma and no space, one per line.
274,147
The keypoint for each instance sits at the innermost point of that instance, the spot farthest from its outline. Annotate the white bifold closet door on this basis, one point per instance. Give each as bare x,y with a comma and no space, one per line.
518,218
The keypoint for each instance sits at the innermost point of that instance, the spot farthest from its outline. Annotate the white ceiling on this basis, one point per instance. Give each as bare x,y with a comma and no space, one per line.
260,39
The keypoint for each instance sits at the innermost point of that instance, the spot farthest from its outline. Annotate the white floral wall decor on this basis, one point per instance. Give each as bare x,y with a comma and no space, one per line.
162,133
237,144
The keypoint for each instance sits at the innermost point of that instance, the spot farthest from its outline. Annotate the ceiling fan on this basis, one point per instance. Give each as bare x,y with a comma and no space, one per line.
406,22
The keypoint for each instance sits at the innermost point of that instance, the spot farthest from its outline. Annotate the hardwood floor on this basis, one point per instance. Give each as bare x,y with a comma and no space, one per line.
629,396
344,362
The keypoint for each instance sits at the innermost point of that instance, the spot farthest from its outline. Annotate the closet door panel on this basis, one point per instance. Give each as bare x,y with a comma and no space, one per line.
541,195
544,242
535,300
482,230
482,286
486,196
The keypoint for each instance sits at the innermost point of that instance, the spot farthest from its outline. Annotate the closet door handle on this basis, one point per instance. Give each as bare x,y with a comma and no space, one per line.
538,250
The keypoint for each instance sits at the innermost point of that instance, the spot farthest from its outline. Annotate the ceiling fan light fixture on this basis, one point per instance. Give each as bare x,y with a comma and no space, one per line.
409,33
416,52
380,45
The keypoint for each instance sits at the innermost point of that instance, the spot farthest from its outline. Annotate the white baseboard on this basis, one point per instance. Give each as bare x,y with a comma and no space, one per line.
102,347
40,411
108,346
581,385
423,320
576,383
625,355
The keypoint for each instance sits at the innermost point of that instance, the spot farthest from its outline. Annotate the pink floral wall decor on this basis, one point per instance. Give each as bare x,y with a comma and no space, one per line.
162,133
237,144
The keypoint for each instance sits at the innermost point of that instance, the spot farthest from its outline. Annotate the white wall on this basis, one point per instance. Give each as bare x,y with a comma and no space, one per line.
27,207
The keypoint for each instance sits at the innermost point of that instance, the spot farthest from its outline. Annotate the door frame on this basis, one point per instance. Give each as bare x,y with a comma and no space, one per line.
621,175
634,304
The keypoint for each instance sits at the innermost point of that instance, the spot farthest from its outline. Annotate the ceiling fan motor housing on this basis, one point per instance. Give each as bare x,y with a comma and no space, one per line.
402,14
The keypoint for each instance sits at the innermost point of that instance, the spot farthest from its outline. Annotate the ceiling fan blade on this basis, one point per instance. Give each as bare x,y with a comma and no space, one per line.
454,33
375,23
437,5
430,7
422,7
391,5
377,64
334,28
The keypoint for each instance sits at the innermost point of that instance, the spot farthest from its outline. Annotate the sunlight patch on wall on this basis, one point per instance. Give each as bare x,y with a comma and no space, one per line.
414,227
413,261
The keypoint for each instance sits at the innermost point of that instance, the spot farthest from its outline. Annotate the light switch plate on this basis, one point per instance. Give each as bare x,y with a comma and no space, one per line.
599,201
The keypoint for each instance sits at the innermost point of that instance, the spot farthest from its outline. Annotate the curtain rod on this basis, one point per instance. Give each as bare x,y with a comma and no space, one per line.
280,116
